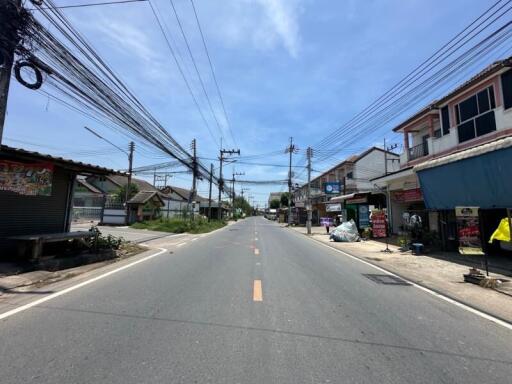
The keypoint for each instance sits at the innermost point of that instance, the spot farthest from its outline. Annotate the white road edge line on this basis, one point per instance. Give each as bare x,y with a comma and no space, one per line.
77,286
195,238
427,290
181,244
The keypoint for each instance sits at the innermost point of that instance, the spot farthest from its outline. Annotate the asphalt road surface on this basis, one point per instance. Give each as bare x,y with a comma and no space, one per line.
252,303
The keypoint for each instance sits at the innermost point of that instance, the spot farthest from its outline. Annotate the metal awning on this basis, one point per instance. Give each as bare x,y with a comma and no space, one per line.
482,180
339,199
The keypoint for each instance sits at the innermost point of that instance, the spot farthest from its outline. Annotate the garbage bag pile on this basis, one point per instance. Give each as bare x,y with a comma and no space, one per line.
347,232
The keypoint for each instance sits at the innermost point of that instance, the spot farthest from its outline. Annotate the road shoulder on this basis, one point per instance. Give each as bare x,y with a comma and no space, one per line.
440,276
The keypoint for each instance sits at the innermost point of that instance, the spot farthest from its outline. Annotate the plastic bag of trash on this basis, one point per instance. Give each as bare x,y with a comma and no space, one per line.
347,231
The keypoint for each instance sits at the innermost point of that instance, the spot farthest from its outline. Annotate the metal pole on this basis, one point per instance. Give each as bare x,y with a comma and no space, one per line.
210,194
9,20
308,199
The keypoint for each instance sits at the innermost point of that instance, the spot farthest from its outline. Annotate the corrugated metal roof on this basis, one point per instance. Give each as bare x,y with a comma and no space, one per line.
63,163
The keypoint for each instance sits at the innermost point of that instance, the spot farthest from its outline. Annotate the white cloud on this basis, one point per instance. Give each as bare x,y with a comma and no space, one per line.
264,25
283,17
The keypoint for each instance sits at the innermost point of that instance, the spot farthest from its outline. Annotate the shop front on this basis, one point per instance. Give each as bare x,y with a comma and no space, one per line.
477,179
358,207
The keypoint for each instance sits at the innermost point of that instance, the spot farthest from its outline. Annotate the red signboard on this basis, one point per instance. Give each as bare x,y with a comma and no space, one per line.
408,195
379,224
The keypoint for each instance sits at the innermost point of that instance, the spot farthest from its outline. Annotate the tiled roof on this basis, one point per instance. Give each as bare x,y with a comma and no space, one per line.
121,180
90,187
143,197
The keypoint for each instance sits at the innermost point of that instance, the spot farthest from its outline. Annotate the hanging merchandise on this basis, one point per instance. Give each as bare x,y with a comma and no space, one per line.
501,233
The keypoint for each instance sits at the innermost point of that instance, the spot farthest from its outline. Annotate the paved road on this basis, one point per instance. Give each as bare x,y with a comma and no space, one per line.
193,316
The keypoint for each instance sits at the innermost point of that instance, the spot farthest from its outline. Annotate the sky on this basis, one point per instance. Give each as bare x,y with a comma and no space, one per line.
285,68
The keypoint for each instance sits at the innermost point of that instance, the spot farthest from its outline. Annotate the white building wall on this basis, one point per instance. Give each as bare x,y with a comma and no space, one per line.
372,166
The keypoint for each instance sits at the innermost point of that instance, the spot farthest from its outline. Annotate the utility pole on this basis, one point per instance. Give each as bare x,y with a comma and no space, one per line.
210,194
309,154
9,20
291,150
131,148
221,180
192,193
385,158
233,192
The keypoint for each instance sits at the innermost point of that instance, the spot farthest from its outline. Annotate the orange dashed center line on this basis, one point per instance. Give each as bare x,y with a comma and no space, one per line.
257,291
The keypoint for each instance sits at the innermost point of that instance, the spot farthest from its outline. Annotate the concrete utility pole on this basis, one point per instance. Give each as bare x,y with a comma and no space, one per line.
10,22
309,208
385,158
221,180
210,194
291,150
233,193
192,194
131,148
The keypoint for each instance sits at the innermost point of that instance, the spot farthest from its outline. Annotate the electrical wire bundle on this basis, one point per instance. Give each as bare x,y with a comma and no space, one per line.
446,67
65,61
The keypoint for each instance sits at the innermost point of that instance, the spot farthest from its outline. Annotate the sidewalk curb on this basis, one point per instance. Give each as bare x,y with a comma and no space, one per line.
423,285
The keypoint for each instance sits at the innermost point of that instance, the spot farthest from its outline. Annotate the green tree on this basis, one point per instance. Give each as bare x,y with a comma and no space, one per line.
121,192
274,204
243,205
285,198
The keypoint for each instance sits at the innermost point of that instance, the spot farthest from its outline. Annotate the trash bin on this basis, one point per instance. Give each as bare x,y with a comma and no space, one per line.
417,248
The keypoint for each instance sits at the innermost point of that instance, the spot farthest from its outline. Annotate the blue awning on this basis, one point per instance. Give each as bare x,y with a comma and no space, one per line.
483,181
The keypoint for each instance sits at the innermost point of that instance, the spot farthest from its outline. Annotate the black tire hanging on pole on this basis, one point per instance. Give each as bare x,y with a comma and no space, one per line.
37,2
17,73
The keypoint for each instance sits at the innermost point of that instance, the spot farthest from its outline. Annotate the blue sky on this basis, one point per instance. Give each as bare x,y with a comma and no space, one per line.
286,68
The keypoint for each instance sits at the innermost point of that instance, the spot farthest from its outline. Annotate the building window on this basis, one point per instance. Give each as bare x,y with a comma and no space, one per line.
506,85
475,115
445,120
350,175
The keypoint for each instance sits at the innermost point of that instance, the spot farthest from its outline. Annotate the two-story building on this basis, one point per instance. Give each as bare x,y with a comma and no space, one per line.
456,153
347,185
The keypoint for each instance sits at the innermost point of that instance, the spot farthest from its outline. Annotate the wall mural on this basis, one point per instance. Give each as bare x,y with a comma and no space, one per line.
29,179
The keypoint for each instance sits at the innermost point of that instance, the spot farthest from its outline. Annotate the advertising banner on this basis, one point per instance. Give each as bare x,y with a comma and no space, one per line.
334,207
378,224
34,179
332,188
364,216
468,228
407,195
326,221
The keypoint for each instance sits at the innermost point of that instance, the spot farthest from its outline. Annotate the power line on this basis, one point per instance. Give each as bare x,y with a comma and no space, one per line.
213,73
89,5
181,72
183,34
434,60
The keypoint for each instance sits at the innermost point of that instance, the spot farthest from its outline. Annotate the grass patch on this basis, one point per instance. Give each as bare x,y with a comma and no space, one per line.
180,225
